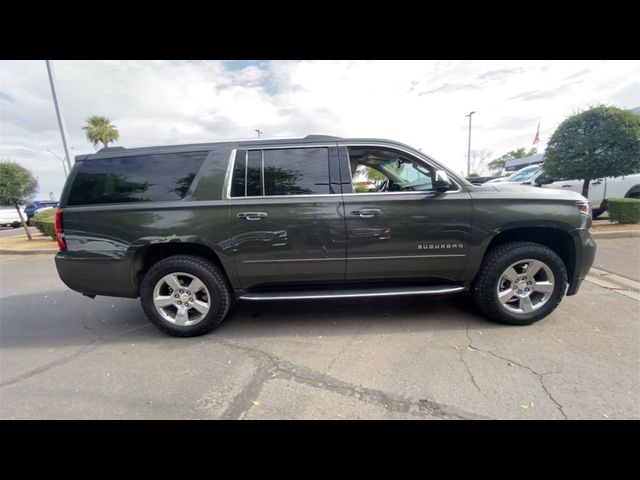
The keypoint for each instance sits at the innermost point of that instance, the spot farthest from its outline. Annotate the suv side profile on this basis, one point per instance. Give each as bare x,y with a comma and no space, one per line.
192,229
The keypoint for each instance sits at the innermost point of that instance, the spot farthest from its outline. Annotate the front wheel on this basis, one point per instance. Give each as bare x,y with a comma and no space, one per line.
520,283
185,296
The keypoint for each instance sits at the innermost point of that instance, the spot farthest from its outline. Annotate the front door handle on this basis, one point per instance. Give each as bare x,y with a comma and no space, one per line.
566,186
367,212
597,182
252,215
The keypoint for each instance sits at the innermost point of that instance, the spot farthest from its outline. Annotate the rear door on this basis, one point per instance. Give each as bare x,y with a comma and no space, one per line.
286,215
403,228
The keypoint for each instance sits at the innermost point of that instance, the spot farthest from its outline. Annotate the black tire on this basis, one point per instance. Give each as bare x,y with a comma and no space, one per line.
496,261
596,213
15,224
209,274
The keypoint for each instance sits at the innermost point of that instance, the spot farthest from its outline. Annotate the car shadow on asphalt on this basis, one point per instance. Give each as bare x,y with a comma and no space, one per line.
64,318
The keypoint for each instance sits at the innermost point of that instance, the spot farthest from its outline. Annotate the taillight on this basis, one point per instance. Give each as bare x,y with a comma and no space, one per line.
62,246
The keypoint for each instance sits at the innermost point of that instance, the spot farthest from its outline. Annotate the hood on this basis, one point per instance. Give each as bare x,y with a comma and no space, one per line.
523,191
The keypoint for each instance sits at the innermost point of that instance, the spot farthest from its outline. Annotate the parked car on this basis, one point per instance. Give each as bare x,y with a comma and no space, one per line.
42,209
520,176
481,180
191,229
600,190
31,208
9,216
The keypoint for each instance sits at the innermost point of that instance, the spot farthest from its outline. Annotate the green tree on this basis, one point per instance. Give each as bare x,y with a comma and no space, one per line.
498,164
100,130
603,141
17,184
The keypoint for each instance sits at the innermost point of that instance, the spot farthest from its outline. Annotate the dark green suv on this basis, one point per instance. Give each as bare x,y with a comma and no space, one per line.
191,229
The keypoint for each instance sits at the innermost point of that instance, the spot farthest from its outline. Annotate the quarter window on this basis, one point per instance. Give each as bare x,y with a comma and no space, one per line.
140,178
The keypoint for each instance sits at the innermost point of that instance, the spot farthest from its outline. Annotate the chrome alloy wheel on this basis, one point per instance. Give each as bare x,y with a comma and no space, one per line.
525,286
181,298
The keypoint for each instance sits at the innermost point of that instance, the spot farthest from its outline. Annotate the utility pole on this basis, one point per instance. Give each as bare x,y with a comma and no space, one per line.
57,106
259,132
63,165
469,147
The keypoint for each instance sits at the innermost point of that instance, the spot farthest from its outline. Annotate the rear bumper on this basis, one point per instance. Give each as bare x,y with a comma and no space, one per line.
92,276
585,253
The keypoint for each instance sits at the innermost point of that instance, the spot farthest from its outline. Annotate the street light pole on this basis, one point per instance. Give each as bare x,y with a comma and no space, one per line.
469,147
259,132
60,123
62,160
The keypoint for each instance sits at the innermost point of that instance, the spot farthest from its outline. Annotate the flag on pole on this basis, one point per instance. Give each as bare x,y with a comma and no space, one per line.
537,139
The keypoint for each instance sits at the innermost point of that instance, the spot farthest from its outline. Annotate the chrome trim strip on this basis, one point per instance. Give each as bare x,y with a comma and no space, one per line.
405,256
432,291
226,188
262,170
390,257
287,260
246,171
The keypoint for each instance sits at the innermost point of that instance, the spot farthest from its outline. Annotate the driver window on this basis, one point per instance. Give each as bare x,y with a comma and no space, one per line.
380,170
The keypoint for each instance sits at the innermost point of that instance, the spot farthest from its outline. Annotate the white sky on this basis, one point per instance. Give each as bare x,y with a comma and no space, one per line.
421,103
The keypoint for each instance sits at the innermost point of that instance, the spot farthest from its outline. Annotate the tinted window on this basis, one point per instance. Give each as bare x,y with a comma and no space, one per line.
239,172
296,171
254,173
135,179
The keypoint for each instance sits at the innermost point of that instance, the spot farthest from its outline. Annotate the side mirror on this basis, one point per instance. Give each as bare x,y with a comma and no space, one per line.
441,182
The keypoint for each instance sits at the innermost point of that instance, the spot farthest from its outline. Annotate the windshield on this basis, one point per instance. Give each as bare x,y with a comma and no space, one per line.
524,174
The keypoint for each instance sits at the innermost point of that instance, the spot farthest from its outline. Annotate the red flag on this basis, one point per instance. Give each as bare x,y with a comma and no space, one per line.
537,139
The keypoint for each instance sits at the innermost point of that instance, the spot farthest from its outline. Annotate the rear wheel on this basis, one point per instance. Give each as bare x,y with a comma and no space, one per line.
520,283
185,296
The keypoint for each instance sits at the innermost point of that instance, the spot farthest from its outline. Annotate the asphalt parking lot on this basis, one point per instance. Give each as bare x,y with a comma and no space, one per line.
65,356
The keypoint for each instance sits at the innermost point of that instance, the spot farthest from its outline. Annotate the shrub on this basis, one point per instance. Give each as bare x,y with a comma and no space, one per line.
45,222
624,210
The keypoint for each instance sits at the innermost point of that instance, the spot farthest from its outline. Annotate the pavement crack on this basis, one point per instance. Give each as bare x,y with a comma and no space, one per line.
241,403
100,340
466,366
538,375
391,402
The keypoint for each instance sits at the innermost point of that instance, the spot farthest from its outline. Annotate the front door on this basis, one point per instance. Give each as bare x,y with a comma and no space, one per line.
398,226
286,216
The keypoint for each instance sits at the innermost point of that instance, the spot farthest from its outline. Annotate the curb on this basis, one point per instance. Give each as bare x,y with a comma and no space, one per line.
7,251
619,234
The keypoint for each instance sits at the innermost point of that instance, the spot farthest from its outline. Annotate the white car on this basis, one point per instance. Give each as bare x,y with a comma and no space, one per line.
42,209
9,216
520,176
600,190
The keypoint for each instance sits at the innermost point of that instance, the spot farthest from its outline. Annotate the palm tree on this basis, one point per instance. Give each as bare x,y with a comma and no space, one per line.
100,130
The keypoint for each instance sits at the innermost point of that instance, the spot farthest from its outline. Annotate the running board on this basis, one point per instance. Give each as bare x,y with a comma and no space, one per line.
351,293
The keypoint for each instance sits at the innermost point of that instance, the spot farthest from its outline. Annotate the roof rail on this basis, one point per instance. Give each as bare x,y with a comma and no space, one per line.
110,149
321,137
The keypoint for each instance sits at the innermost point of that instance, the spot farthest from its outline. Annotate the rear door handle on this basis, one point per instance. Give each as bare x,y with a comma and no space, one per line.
367,212
566,186
252,215
597,182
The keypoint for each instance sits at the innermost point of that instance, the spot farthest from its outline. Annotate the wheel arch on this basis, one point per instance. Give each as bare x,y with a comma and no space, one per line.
148,255
558,240
634,192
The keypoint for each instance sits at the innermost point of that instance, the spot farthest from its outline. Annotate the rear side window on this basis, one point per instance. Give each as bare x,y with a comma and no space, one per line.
287,171
144,178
